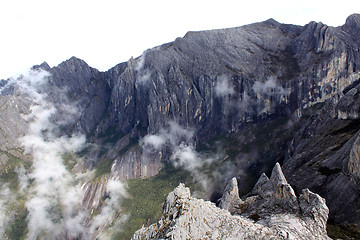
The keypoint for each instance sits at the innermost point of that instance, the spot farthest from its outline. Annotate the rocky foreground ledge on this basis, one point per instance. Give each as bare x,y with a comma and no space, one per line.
271,211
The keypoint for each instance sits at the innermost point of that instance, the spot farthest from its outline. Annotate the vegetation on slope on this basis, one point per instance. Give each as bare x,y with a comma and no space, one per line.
146,198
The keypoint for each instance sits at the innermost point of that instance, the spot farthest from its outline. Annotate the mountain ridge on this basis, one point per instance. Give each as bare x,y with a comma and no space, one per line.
235,100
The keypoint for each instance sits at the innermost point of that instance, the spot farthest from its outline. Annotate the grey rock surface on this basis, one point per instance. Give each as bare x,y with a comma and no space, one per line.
230,197
220,83
190,218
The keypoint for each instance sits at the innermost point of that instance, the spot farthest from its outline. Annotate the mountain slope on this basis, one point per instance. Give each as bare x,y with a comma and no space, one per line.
219,103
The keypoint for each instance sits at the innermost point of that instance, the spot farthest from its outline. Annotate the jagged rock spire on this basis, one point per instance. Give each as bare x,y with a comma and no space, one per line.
259,184
230,199
277,176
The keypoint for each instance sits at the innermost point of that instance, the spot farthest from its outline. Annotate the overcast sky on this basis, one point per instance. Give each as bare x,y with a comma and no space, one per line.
107,32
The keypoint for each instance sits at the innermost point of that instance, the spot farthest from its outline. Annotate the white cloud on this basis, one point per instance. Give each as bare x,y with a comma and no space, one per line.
115,190
171,136
5,216
154,140
54,199
179,141
270,87
140,62
223,86
143,75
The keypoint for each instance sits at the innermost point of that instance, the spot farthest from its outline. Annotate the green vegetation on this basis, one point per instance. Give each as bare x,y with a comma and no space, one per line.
103,167
146,198
18,229
69,160
8,174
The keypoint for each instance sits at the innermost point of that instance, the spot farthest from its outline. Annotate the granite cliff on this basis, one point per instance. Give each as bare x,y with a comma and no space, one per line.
238,99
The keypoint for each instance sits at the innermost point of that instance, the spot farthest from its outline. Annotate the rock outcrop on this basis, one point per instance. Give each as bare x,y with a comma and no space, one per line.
230,198
285,93
274,212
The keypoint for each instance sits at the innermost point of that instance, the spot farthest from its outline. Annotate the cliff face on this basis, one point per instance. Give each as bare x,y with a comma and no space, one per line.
206,79
280,92
215,81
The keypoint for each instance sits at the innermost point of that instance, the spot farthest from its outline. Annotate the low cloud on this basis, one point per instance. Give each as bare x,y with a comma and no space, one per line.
54,202
54,197
153,141
185,156
143,75
115,191
270,87
23,179
5,212
223,86
171,136
180,142
140,62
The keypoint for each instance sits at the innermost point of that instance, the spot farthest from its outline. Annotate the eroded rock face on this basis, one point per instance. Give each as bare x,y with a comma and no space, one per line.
217,82
323,156
278,212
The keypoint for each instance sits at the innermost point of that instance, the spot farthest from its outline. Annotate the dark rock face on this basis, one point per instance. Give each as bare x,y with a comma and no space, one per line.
220,82
324,155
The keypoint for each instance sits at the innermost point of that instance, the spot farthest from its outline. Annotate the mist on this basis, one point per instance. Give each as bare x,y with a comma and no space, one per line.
223,86
180,142
143,75
6,197
115,192
53,193
54,198
270,87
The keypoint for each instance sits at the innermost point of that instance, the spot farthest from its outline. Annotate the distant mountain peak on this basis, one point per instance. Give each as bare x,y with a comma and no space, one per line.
352,24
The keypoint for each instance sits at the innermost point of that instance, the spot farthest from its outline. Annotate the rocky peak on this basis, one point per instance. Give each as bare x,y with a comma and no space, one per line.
353,20
352,24
277,176
190,218
274,192
230,198
44,66
175,200
314,207
272,22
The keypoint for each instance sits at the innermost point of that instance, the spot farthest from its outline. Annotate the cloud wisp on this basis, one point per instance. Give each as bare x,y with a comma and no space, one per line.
171,136
180,142
270,87
115,192
223,86
143,75
5,213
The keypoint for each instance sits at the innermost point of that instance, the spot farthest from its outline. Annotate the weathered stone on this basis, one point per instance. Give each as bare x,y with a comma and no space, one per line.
219,82
189,218
230,198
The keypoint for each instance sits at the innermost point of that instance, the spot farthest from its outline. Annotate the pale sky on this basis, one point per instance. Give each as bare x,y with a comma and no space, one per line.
107,32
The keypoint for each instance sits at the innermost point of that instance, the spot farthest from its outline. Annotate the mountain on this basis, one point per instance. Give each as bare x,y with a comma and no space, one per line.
218,104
